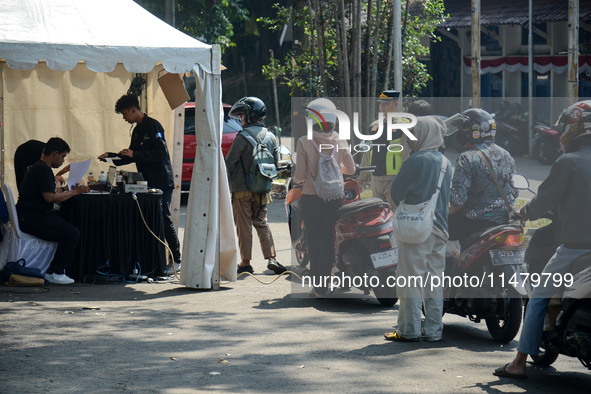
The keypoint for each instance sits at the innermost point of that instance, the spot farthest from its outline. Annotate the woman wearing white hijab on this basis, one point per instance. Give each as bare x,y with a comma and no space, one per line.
415,183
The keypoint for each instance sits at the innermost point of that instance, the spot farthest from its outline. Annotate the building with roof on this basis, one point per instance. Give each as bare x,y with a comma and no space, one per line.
504,53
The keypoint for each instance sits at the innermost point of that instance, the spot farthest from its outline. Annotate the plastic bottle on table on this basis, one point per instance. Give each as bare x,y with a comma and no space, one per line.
91,180
102,178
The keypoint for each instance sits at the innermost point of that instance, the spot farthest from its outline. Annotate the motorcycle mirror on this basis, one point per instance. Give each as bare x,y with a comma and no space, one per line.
520,182
452,123
366,147
284,150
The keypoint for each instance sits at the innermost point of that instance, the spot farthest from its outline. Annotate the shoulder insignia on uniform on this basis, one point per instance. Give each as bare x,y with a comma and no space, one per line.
158,135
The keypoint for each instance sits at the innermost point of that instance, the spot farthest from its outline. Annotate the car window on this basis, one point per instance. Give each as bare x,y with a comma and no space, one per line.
189,121
230,126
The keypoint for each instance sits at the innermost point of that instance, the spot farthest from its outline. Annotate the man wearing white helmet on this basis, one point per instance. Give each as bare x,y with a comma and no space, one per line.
568,187
320,214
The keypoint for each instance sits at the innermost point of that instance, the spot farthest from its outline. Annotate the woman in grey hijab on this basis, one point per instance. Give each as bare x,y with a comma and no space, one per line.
416,183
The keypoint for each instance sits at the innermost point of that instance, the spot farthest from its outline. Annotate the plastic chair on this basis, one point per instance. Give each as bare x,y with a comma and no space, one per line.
36,252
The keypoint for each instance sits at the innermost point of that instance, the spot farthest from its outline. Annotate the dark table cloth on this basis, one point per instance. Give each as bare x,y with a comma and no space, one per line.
112,232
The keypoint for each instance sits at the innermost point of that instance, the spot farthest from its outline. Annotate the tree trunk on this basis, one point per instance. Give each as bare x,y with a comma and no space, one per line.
345,49
320,47
313,47
368,45
374,60
390,52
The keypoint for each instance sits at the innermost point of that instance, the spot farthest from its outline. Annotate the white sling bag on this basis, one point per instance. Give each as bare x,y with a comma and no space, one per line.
413,223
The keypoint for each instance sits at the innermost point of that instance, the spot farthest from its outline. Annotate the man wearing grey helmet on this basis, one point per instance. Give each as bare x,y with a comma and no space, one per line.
475,202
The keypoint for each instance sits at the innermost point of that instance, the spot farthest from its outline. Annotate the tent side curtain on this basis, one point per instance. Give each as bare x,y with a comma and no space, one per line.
542,64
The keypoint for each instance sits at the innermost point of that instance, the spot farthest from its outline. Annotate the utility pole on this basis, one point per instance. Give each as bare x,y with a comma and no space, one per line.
397,34
530,75
278,125
475,13
169,12
573,51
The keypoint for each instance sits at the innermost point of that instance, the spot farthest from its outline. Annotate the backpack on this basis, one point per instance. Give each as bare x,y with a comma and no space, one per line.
329,183
262,170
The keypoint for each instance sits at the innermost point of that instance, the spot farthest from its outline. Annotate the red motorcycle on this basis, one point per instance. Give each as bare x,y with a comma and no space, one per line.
546,143
365,246
485,280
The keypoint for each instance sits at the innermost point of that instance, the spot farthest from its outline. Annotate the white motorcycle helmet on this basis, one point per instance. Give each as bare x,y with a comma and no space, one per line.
327,120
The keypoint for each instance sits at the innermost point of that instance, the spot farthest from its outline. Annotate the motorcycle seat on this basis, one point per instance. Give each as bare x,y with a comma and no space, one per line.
581,263
352,209
486,233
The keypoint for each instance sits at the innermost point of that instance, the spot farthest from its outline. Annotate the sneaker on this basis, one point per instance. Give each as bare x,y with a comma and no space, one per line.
274,266
170,270
246,268
59,279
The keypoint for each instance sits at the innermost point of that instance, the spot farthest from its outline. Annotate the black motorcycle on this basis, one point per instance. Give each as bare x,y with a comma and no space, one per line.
567,329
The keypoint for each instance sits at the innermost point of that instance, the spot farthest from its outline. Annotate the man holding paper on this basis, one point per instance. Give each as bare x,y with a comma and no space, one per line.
149,152
36,213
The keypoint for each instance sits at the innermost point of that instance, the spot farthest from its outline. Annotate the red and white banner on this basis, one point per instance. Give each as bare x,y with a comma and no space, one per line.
542,64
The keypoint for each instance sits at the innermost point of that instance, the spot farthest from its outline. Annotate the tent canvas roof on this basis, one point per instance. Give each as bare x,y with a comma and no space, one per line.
100,33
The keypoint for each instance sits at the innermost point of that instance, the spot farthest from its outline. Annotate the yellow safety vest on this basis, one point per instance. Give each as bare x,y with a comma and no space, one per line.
393,159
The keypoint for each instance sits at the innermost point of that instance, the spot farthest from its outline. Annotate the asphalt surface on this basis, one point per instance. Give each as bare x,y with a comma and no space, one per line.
246,337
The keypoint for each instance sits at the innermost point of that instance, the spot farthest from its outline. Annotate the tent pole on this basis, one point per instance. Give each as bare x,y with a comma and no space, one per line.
2,155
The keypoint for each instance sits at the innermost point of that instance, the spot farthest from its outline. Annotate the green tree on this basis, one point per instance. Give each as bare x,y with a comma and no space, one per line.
337,35
210,21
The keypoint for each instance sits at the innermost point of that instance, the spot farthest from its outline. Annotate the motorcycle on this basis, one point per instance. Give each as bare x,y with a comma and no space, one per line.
546,143
490,270
567,328
512,130
364,246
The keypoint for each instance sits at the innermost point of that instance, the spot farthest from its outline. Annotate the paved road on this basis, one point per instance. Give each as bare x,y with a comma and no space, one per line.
247,337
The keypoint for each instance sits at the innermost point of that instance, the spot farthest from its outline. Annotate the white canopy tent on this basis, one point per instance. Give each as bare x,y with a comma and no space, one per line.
50,54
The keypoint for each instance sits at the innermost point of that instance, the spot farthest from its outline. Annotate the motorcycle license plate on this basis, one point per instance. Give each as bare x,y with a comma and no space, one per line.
385,259
507,257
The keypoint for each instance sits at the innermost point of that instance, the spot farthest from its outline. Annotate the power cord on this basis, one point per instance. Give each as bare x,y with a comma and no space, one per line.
134,196
260,281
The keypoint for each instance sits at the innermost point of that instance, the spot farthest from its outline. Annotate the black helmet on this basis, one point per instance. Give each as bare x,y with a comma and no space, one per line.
476,125
253,108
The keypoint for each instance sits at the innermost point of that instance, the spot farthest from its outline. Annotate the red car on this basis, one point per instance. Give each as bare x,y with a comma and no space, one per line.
231,127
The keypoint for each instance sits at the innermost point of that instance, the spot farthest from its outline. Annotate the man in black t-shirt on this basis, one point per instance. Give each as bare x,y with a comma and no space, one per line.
28,154
149,152
36,216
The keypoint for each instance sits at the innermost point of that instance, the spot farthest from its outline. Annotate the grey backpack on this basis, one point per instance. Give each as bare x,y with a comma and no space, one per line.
328,183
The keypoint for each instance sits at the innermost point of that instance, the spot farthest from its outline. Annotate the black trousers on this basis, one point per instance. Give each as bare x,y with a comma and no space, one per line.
169,231
50,226
461,227
319,219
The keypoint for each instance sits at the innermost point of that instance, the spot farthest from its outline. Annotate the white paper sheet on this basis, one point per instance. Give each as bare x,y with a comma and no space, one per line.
110,159
77,171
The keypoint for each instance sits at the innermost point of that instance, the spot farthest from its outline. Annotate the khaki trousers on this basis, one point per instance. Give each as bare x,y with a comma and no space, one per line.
380,188
248,213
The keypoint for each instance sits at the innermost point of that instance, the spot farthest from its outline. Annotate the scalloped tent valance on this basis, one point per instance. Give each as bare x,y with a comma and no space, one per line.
99,33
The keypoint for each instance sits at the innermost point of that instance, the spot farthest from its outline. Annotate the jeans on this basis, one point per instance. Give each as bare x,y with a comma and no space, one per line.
533,323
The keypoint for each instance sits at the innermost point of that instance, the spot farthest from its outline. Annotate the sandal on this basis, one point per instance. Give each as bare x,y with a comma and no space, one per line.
502,372
394,336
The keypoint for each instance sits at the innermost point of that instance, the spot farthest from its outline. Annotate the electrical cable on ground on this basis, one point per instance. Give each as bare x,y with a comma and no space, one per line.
134,196
264,283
